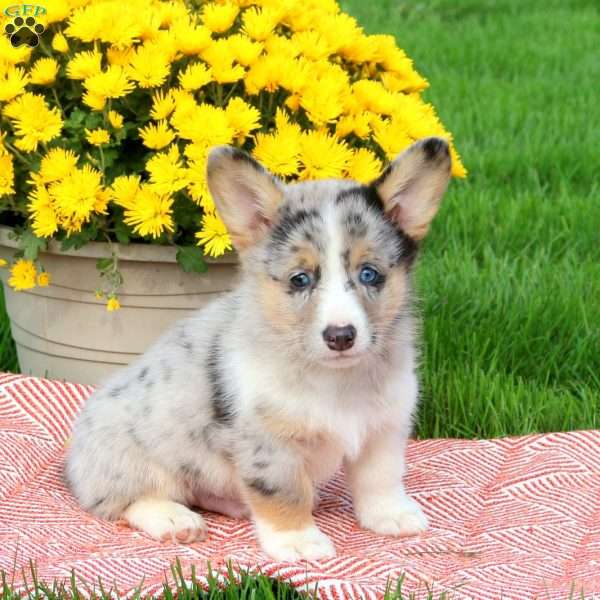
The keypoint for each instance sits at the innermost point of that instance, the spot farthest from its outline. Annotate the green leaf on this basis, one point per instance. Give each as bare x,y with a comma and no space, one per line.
77,240
102,264
31,245
122,232
191,259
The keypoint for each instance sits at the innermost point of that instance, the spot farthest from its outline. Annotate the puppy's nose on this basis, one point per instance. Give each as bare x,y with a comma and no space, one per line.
339,338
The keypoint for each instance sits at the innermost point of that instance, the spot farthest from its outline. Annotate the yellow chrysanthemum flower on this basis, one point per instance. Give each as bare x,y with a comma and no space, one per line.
149,67
40,208
120,56
219,17
245,51
259,23
57,164
43,279
7,174
196,76
59,43
190,39
157,136
371,95
33,121
97,137
220,57
364,166
94,101
198,186
113,304
242,117
115,119
357,124
322,156
214,236
22,275
84,65
167,174
391,136
203,124
12,83
125,189
111,83
312,45
44,71
163,105
278,152
75,196
150,214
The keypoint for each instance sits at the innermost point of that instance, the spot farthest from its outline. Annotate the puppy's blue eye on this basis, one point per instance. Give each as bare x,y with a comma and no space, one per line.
368,275
300,280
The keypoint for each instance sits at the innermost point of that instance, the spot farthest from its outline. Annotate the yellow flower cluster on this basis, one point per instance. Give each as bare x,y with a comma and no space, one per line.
295,82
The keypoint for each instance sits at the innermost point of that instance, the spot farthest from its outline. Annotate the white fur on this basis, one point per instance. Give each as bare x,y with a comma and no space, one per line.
166,520
309,543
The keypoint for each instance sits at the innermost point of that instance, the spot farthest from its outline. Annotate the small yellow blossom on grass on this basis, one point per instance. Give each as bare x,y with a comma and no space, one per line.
43,279
113,304
3,262
22,275
115,119
97,137
213,236
44,71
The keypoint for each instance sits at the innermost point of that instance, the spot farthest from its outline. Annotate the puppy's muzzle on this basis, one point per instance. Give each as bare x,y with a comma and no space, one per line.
339,338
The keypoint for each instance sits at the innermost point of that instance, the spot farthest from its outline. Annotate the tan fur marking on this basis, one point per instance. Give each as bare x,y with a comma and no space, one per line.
274,302
284,515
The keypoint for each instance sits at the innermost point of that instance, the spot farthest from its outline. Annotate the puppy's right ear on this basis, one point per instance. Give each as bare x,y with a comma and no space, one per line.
246,195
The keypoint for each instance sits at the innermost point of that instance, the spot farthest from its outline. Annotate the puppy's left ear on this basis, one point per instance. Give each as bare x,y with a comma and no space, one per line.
246,195
411,188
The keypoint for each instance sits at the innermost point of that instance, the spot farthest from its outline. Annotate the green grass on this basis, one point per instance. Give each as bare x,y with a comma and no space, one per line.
509,279
231,584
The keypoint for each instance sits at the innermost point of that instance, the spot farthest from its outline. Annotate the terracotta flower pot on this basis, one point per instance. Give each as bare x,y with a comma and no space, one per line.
63,331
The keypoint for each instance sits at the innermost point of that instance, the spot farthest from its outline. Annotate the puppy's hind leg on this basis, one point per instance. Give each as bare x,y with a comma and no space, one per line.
165,520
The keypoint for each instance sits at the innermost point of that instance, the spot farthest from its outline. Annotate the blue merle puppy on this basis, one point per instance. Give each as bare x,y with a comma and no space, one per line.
309,363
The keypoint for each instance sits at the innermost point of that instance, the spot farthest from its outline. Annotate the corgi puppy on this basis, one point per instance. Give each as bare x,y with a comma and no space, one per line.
309,363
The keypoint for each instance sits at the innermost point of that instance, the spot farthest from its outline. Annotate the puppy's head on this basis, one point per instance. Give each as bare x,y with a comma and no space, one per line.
330,259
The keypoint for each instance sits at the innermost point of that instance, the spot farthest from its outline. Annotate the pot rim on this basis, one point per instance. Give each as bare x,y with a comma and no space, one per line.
133,252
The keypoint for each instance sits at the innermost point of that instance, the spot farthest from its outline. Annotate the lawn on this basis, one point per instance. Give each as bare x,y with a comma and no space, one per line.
509,279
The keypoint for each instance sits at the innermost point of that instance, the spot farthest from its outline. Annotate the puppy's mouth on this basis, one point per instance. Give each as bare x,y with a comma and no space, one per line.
342,360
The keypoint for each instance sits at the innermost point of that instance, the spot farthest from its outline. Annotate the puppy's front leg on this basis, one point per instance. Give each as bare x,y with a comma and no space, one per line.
380,502
281,495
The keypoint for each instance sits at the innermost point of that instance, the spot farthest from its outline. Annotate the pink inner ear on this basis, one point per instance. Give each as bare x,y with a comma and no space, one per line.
395,215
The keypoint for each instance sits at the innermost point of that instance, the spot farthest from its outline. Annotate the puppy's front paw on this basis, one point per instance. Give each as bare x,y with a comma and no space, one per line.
166,520
309,543
392,516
